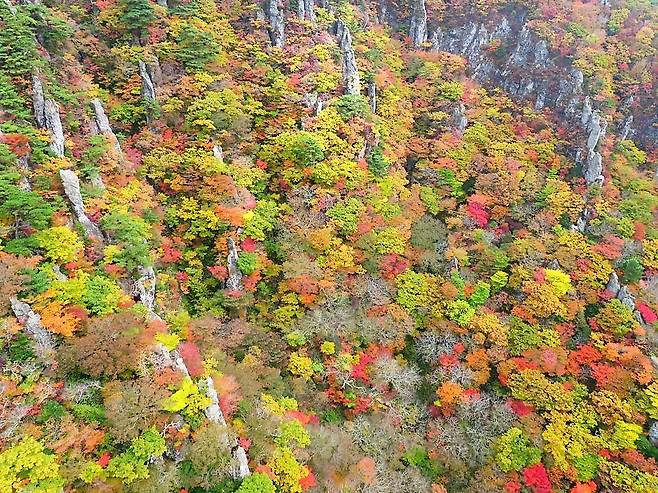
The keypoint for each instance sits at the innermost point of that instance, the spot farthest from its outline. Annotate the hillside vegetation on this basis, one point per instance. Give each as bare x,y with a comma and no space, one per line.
360,247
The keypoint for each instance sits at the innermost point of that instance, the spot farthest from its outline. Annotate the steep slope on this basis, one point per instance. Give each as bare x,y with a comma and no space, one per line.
286,247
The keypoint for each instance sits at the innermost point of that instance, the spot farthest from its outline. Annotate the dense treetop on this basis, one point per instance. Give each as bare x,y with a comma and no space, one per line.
289,246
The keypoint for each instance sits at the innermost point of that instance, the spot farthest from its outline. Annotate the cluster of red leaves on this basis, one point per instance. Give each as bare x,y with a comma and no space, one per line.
536,478
192,358
393,265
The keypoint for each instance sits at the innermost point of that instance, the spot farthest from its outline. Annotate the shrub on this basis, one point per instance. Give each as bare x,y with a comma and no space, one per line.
257,483
21,207
345,215
261,220
450,90
300,148
51,410
111,346
60,243
132,234
514,451
352,105
27,464
460,312
633,270
300,365
89,413
248,262
19,349
18,51
136,15
377,163
414,290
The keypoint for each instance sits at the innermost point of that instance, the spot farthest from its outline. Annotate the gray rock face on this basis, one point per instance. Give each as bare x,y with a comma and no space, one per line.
351,78
653,433
597,128
102,124
623,294
276,29
213,411
459,119
144,287
387,14
313,101
593,168
38,102
54,126
234,281
305,10
148,88
46,114
242,469
524,66
72,189
44,344
527,70
626,298
418,23
214,414
627,130
372,96
613,285
23,166
218,152
586,114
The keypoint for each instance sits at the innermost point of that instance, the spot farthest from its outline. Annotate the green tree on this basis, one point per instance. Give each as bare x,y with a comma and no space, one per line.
256,483
137,15
196,48
18,52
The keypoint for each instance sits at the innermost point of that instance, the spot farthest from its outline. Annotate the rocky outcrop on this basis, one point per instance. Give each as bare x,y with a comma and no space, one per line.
71,185
459,119
522,64
214,414
595,126
101,124
276,29
627,129
418,23
144,288
305,10
502,50
218,152
148,87
351,79
593,168
46,114
387,14
43,341
313,102
623,294
234,281
653,433
242,466
38,102
372,95
54,126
